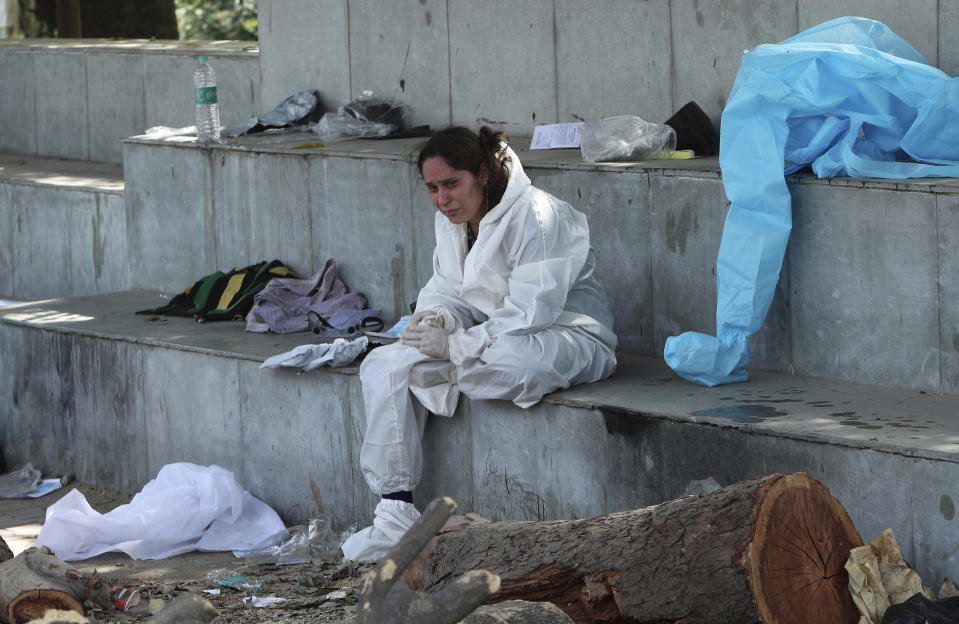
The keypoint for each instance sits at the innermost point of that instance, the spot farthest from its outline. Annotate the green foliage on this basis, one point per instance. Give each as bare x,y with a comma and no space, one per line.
217,19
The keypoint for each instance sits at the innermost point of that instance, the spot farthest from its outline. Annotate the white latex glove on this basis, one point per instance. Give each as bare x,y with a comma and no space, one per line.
425,317
431,341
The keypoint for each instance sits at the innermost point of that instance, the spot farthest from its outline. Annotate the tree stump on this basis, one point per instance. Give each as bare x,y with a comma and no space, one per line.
766,550
35,581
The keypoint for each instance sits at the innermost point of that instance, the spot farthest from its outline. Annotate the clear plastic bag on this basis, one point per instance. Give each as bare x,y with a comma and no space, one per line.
297,544
625,137
19,483
365,117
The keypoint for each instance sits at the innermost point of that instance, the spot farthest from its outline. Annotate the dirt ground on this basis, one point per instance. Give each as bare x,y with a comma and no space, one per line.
323,591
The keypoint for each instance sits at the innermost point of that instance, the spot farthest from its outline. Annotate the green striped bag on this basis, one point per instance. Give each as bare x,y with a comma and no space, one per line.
223,296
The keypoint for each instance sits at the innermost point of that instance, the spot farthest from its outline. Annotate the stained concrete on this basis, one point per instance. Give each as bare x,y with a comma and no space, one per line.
18,101
948,278
864,281
630,42
103,378
401,50
304,44
708,41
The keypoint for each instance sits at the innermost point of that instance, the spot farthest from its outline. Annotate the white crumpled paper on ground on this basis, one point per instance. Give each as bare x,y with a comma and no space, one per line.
185,508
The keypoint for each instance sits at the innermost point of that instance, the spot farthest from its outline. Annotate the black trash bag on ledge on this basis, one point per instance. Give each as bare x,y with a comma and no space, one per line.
366,117
298,109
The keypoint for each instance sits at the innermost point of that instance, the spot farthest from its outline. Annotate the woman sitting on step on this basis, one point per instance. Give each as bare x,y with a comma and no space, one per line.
514,310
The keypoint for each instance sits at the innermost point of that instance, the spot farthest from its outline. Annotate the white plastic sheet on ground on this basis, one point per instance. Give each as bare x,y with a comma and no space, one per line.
848,98
185,508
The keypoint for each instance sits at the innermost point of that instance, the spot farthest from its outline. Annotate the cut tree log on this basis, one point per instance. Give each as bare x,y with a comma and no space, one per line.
383,600
35,581
766,550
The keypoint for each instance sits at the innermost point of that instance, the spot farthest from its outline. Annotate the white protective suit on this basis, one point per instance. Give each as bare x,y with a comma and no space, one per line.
526,316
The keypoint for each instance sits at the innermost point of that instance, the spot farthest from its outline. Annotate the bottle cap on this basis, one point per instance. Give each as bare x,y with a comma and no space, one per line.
203,59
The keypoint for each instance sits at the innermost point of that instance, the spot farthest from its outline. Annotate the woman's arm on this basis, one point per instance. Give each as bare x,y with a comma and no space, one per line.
547,250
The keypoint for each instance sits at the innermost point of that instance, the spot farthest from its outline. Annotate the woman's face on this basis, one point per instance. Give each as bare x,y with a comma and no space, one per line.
457,193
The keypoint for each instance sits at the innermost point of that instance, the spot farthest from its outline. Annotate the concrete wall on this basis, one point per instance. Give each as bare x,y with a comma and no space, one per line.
78,99
517,64
61,242
110,404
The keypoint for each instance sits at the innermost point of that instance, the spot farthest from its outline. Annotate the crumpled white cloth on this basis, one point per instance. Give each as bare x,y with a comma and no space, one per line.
185,508
340,352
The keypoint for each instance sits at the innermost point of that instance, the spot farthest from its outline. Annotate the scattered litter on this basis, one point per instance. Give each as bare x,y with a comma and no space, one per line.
212,592
46,486
298,544
19,483
879,578
155,606
128,601
263,602
232,579
337,595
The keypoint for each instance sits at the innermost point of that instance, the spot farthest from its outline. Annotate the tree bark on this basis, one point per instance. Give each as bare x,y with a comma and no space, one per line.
35,581
766,550
5,552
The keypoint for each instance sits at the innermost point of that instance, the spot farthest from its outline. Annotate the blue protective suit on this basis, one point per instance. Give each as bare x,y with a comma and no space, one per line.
847,98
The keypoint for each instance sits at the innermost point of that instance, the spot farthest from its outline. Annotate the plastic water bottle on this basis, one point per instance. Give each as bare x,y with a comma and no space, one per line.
204,92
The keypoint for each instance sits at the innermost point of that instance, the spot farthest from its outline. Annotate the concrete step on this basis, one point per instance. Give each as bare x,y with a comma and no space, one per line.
866,269
112,396
77,98
62,227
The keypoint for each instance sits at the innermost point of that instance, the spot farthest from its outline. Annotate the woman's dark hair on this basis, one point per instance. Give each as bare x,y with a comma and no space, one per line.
465,150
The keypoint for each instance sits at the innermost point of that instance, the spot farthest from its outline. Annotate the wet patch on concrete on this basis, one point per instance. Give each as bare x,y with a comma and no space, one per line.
946,507
743,414
858,424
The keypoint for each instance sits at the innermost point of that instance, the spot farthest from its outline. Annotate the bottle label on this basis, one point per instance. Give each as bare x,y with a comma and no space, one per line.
205,95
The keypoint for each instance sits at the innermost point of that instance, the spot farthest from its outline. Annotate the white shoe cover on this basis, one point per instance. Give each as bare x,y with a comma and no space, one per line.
391,520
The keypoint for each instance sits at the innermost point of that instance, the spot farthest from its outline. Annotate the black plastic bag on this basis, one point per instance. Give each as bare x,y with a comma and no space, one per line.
297,110
920,610
694,130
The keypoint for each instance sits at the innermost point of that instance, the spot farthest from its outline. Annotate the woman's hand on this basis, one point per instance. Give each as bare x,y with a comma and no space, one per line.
430,340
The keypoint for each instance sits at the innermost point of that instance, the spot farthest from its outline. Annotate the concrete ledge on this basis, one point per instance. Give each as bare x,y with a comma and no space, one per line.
62,227
859,248
123,395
